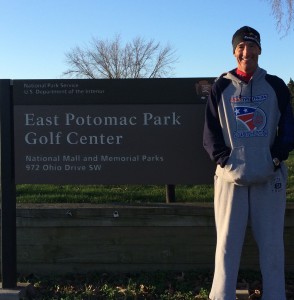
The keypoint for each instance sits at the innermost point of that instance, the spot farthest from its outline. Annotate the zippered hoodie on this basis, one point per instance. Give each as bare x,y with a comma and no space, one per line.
247,125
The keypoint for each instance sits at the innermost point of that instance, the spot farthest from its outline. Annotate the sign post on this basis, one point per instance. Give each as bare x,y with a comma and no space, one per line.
8,197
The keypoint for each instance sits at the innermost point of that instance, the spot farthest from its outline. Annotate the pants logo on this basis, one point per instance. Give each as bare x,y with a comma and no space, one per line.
277,185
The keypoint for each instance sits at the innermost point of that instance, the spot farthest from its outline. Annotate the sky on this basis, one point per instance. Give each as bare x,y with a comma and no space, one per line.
35,35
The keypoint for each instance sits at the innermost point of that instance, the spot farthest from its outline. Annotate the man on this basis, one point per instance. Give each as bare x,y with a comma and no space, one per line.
249,132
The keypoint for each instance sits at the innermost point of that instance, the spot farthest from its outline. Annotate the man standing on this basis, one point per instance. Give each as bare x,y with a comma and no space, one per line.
249,132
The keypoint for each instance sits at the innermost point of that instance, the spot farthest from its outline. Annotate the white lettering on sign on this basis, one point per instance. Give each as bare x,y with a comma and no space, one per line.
32,120
52,138
150,119
74,138
69,124
72,119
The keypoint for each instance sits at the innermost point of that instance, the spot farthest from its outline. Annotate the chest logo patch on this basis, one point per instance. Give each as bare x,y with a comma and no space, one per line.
250,118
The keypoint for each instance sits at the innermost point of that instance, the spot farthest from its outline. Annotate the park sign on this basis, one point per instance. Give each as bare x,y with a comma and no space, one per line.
124,131
118,131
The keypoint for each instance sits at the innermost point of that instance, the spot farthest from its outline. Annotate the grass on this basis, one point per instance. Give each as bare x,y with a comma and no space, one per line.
141,286
142,194
122,286
109,193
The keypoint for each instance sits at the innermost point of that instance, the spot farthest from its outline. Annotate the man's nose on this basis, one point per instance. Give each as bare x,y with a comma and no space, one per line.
246,50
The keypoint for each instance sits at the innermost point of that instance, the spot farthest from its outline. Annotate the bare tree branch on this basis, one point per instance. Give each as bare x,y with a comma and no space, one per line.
111,59
283,11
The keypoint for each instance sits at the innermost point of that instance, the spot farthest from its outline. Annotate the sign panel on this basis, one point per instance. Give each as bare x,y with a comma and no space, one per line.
110,132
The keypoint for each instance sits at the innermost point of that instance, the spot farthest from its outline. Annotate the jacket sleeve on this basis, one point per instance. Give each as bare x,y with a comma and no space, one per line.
284,140
213,140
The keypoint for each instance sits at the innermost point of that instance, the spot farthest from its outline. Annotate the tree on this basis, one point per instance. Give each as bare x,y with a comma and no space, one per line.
111,59
283,11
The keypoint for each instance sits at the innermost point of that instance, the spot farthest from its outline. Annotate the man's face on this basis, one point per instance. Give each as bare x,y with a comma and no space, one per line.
246,54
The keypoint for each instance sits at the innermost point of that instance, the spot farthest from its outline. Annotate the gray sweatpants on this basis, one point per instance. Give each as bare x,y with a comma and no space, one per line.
264,205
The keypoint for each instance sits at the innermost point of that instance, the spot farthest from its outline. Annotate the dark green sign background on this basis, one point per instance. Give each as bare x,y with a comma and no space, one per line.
133,131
